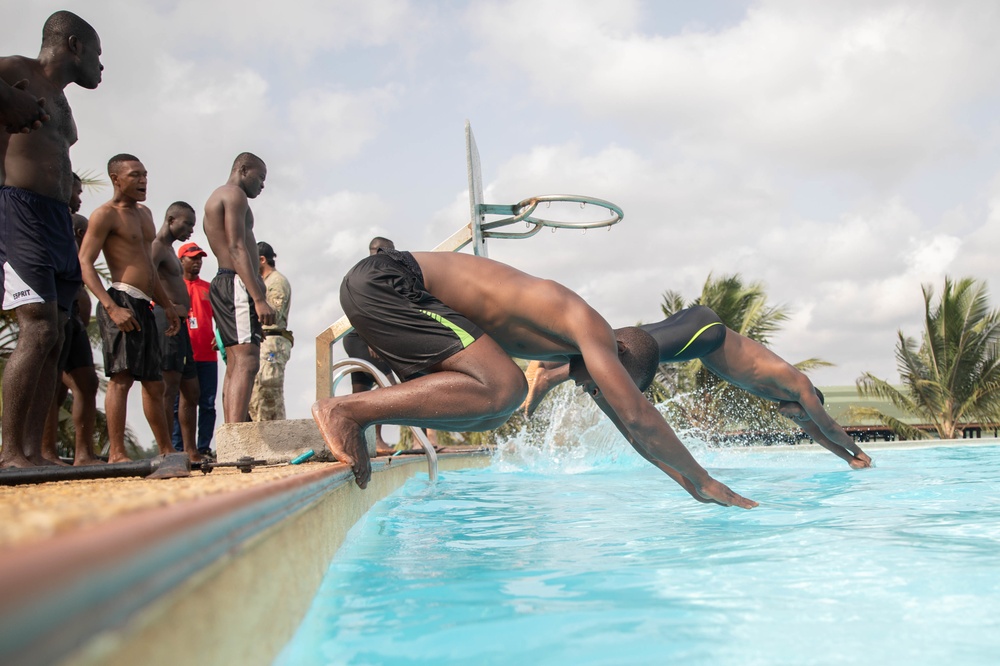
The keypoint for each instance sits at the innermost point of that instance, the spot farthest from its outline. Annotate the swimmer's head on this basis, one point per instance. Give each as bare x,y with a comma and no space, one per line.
379,243
128,176
180,218
638,353
250,172
65,32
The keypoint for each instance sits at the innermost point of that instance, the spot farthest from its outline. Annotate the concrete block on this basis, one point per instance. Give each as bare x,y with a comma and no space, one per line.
275,441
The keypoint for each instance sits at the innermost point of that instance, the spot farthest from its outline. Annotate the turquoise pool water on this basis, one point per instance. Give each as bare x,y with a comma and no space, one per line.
608,562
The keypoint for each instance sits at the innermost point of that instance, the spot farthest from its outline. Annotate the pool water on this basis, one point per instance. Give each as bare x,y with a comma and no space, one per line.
526,563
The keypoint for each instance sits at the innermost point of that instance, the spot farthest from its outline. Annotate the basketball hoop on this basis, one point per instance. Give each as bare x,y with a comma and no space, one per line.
524,211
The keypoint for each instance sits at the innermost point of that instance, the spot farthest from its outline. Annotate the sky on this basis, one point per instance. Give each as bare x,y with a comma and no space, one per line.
841,154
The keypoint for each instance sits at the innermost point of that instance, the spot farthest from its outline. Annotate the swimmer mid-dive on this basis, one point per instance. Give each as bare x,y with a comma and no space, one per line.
448,323
698,333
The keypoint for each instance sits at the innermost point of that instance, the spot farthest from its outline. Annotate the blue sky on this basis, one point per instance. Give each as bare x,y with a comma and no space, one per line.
841,153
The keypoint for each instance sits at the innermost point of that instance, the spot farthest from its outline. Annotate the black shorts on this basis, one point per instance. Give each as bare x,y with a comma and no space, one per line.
38,252
385,299
233,310
175,350
76,350
692,333
358,348
137,352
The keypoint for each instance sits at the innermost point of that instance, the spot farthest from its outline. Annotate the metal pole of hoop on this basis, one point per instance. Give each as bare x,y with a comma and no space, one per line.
476,233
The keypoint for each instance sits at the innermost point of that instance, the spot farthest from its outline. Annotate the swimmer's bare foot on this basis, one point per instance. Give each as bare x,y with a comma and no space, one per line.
719,492
82,460
344,437
381,448
535,374
118,458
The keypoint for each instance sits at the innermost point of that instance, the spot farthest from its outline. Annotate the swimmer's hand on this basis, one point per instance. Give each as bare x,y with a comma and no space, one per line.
24,112
860,461
719,493
123,319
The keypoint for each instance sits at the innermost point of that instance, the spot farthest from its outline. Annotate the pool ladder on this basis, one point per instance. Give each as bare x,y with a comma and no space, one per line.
340,369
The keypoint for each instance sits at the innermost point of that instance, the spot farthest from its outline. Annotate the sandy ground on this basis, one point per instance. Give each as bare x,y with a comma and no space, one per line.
33,512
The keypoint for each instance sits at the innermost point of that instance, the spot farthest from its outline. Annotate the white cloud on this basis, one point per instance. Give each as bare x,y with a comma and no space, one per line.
869,88
333,125
302,29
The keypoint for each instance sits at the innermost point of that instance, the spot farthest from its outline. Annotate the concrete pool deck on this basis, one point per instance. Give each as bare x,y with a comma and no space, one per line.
216,568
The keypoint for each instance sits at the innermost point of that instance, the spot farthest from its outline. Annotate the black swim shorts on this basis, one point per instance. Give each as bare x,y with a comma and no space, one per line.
137,352
385,299
233,310
76,350
38,252
175,350
358,348
692,333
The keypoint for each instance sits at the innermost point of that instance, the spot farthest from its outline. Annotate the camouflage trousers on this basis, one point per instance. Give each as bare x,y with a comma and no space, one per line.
267,402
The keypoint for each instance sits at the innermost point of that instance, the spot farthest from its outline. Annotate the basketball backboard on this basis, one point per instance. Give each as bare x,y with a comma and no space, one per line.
477,213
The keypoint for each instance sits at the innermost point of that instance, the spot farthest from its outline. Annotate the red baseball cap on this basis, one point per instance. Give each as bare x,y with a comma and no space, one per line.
191,250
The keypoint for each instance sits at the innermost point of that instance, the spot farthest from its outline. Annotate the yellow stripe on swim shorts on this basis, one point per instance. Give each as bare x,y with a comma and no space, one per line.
695,336
463,337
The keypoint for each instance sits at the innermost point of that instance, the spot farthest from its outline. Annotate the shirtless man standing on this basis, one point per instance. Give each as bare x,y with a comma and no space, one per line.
698,333
123,228
179,372
77,364
238,293
40,271
448,323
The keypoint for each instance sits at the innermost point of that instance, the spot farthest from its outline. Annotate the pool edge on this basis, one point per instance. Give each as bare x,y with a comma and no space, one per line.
220,580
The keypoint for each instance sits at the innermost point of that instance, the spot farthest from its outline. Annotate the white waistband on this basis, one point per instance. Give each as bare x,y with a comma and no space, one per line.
134,292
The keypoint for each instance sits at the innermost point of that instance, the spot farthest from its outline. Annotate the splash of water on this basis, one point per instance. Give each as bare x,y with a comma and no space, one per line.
569,435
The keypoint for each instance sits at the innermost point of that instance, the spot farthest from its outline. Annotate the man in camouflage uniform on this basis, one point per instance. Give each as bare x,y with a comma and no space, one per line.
267,402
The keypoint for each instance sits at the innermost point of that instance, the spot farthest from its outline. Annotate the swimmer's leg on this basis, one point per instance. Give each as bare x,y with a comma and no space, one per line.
476,389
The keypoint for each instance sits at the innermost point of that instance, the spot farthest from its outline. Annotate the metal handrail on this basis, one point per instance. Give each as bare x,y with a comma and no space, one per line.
340,369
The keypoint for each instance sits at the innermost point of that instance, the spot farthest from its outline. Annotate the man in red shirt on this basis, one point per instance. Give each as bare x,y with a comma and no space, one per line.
203,345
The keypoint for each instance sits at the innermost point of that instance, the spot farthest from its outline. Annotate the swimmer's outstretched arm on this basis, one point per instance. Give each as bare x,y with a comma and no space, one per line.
857,461
695,479
828,433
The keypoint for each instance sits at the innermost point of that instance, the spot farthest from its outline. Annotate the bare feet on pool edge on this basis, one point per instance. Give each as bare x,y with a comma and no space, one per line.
344,438
54,461
719,492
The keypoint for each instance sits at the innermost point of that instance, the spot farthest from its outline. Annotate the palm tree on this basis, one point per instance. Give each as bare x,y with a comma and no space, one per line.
951,377
704,401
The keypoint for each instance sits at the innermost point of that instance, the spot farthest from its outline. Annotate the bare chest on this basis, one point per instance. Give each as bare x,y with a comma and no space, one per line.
61,120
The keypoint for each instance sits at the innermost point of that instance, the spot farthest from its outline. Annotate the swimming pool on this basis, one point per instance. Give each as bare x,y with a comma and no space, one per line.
597,558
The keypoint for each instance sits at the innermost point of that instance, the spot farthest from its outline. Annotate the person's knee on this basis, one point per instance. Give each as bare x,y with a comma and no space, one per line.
41,333
510,389
121,381
84,381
